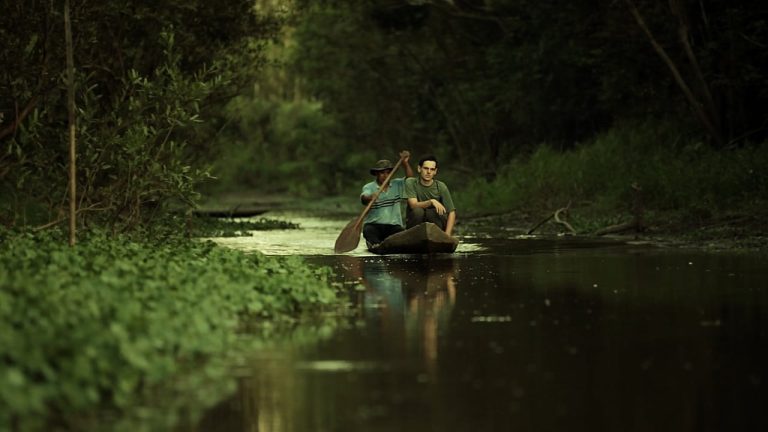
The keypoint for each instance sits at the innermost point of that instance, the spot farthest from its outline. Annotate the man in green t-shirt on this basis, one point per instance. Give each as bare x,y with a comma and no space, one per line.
429,200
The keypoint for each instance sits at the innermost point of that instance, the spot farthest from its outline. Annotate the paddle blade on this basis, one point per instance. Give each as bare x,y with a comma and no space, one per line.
349,237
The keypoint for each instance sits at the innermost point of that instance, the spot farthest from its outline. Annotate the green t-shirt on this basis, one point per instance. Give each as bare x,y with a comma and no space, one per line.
437,190
387,209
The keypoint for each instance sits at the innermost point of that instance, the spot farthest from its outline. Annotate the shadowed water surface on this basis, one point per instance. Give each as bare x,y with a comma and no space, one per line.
525,334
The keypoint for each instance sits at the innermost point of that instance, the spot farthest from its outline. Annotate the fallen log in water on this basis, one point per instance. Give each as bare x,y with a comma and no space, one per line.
619,228
236,212
556,216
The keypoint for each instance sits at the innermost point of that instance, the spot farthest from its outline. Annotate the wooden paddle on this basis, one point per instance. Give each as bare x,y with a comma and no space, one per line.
350,235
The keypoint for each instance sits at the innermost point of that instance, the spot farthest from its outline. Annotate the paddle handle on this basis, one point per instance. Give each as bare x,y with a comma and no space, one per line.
376,195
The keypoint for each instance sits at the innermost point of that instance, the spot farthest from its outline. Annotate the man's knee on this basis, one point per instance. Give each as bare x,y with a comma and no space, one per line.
439,220
371,233
415,216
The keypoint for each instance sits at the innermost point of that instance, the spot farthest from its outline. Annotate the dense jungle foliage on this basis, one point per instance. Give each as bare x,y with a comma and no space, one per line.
483,83
508,92
300,96
484,79
151,80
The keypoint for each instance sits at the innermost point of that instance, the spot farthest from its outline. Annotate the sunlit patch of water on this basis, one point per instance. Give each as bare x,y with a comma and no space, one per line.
340,366
315,236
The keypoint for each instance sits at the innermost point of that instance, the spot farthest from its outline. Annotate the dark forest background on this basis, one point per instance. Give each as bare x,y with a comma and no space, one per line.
526,103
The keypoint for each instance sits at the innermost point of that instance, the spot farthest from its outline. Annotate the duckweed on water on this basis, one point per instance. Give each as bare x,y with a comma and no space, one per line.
110,321
221,227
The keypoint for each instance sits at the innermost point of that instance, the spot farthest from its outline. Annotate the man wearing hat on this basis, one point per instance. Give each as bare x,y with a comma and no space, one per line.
385,217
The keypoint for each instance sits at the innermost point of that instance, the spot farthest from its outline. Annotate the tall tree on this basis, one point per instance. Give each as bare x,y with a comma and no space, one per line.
702,103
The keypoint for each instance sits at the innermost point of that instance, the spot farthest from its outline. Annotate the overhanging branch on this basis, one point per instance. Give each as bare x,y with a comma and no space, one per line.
20,116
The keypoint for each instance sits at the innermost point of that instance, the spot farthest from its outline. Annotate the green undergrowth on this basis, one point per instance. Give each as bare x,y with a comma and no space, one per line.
672,180
111,322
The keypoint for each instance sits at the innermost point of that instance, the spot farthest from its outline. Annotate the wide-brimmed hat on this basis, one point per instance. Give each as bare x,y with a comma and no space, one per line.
381,166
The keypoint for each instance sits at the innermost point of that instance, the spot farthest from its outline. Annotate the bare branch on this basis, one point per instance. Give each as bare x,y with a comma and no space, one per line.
20,116
697,106
563,222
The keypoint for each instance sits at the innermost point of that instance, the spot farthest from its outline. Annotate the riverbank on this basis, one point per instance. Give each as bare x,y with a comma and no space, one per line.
727,232
111,325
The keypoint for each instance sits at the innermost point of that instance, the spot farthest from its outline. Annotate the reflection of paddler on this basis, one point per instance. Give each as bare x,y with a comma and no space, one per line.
385,292
378,292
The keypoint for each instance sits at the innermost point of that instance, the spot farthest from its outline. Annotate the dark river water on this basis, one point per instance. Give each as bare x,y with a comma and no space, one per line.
522,334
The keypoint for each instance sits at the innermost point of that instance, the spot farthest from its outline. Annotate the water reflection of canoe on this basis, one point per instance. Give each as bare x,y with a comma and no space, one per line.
423,238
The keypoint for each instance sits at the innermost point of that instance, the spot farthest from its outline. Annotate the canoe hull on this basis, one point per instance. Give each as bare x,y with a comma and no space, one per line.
426,238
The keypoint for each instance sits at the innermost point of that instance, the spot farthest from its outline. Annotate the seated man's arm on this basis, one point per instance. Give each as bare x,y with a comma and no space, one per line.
439,207
450,222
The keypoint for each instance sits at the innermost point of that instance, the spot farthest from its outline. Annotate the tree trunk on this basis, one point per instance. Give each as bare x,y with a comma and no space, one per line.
71,118
683,32
704,116
20,116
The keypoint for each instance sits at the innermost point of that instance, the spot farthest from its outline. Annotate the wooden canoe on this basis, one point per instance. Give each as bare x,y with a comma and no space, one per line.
426,238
